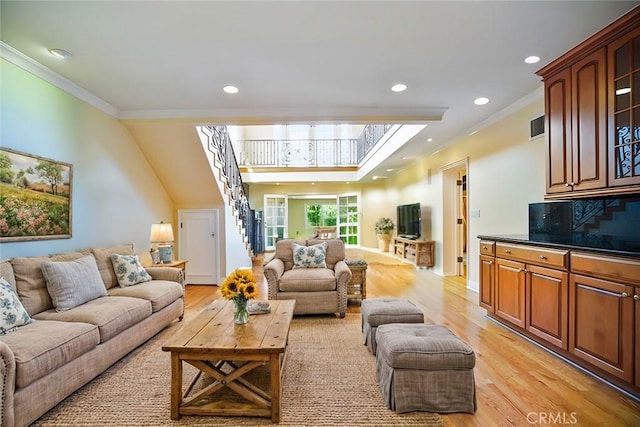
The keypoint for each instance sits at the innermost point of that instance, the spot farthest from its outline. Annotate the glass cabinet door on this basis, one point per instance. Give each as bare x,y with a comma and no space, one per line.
624,118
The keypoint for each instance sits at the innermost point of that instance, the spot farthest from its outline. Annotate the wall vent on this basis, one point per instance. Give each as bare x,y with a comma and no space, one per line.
536,128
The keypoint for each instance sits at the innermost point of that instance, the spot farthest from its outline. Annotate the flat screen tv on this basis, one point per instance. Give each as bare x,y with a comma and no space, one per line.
409,222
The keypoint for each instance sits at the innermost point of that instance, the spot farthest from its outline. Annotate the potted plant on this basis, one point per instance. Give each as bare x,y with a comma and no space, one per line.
384,227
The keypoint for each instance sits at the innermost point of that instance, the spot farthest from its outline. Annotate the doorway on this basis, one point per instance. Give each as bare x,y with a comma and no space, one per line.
199,243
455,191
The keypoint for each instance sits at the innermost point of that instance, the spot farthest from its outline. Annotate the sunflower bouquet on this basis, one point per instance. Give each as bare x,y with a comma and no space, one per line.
240,287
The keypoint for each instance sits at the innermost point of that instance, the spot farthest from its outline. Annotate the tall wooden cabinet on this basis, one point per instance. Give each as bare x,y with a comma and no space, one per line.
592,114
575,103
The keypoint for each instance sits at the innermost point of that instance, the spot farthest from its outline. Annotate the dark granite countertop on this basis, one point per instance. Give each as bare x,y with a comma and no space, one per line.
604,245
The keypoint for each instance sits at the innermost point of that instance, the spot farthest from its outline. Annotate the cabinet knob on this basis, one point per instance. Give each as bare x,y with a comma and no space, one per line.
543,257
484,247
507,251
636,297
624,295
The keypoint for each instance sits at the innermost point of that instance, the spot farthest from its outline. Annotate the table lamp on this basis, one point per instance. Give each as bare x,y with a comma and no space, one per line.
162,234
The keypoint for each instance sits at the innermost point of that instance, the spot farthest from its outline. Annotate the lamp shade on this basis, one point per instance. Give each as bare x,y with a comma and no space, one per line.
161,233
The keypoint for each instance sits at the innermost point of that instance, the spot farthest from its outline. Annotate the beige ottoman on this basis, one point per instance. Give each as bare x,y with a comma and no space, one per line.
425,368
380,311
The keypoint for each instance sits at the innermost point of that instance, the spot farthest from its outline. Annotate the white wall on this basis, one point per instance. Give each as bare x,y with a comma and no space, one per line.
116,194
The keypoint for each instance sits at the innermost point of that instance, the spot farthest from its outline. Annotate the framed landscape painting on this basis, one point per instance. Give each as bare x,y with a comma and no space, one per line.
35,197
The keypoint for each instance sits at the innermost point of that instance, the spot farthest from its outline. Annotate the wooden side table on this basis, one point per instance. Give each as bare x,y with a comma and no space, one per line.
357,286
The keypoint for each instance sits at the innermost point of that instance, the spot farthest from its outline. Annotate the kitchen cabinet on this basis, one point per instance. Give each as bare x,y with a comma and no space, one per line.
601,324
580,303
624,116
531,290
592,114
575,103
487,274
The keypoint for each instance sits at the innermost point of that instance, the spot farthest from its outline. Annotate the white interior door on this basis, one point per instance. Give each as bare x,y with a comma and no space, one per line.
275,219
199,243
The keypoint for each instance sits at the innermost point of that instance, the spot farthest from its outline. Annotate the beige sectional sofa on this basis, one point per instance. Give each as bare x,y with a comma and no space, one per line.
43,362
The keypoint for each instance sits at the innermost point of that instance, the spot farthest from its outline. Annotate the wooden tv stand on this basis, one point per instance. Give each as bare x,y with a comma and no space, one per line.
419,252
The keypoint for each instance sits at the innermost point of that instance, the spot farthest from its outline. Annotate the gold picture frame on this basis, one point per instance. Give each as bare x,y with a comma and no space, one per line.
35,197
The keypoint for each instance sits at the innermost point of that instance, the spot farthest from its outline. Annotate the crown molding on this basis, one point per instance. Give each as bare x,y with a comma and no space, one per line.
37,69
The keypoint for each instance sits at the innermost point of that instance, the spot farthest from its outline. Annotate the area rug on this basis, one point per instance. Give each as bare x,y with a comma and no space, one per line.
329,380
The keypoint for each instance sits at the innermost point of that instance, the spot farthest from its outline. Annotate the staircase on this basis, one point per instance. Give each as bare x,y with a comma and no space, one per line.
229,181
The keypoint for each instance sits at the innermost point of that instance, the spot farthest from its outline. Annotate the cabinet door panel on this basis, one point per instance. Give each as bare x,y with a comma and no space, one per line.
487,282
601,324
510,292
636,303
589,118
548,305
558,132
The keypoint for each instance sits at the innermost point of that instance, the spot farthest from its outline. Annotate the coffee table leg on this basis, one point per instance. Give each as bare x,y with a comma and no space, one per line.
276,393
176,385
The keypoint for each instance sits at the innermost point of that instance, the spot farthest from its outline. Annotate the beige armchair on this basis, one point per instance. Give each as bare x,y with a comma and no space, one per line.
315,289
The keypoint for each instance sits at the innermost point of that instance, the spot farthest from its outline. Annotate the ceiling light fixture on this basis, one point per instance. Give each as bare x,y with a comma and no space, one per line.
429,139
399,87
481,101
230,89
531,59
623,91
60,53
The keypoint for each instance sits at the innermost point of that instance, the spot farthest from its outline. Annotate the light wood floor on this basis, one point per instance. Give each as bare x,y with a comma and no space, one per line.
517,382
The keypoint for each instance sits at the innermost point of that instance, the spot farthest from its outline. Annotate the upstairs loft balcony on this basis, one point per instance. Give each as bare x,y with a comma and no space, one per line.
316,152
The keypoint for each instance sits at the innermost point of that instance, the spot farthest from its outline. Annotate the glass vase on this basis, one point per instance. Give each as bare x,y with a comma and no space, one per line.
240,311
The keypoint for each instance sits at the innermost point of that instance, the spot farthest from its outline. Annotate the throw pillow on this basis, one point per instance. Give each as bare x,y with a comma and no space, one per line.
71,283
12,313
128,270
310,256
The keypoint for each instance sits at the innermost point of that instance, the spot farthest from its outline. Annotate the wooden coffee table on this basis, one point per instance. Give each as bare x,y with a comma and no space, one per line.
226,352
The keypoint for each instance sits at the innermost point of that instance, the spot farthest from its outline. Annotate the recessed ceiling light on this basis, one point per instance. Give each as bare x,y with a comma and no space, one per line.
481,101
531,59
390,170
399,87
60,53
623,91
230,89
429,139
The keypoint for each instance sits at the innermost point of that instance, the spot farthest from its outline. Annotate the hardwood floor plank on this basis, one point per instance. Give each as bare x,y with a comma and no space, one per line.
517,382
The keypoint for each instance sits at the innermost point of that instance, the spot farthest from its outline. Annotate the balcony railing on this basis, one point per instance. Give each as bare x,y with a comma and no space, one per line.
311,152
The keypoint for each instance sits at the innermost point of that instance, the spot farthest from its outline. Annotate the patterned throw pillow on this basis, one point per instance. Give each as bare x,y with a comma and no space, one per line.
128,270
310,256
12,313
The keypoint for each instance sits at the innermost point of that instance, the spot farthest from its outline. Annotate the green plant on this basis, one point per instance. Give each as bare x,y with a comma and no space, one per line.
384,226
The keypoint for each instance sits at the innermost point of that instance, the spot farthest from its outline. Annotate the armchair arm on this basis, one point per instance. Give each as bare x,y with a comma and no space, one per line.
272,272
343,276
7,382
172,274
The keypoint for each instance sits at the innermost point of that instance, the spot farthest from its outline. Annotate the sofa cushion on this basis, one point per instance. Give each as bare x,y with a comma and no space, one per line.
160,293
12,313
71,283
307,280
309,256
111,314
128,270
105,266
30,282
6,272
43,346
